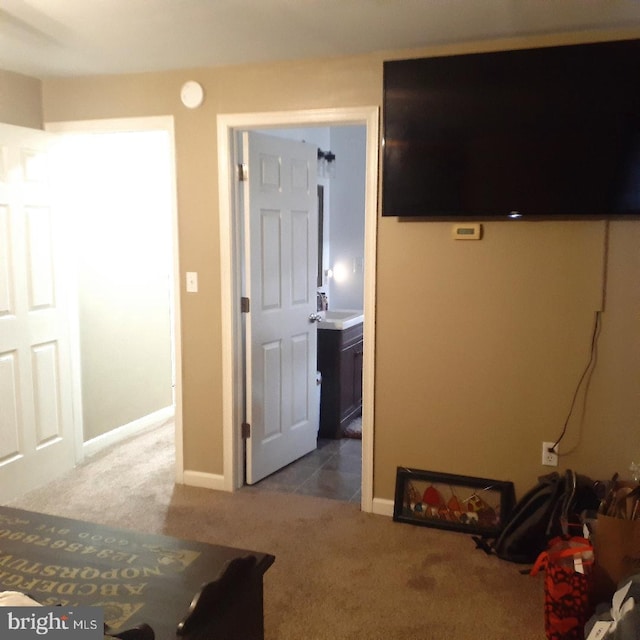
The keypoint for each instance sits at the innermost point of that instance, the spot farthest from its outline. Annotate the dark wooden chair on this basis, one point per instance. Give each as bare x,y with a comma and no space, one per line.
141,632
216,609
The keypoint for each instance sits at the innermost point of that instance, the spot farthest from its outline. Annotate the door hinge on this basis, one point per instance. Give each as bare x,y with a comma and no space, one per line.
242,172
244,305
245,430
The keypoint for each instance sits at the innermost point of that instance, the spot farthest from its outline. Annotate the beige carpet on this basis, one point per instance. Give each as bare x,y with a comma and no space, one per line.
339,573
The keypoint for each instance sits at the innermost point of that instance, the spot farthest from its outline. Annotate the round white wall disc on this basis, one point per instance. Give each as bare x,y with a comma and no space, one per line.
192,94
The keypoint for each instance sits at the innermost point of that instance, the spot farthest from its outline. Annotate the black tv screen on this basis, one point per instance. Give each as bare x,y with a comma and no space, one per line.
551,132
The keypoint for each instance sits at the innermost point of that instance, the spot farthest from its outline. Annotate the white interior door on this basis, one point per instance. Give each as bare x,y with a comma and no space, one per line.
281,227
36,438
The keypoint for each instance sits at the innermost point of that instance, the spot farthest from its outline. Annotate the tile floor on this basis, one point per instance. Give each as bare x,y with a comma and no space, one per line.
333,470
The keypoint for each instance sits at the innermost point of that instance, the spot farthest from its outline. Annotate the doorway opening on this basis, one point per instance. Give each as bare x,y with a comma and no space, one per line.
333,468
118,193
231,269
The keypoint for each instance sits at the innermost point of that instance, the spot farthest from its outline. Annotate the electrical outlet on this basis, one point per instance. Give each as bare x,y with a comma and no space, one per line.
549,458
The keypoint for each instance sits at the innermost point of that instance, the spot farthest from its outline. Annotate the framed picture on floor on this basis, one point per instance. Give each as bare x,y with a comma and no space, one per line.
450,501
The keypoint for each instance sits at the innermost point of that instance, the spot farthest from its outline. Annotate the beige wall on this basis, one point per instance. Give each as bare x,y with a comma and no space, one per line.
479,345
20,100
350,82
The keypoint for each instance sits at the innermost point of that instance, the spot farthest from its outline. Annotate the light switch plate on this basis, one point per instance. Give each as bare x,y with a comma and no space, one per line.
192,282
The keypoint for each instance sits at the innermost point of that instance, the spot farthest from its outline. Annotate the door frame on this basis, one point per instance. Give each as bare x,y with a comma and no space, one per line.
230,268
131,125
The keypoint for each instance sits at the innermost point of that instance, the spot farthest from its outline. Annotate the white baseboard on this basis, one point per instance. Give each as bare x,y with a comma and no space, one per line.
204,480
93,446
382,507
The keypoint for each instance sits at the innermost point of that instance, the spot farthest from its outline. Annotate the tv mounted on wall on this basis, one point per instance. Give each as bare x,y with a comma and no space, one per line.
537,133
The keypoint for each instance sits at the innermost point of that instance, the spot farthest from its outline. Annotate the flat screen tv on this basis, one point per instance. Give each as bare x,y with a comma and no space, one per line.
552,132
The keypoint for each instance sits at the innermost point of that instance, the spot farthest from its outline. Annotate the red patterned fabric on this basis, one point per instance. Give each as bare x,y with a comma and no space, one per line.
566,590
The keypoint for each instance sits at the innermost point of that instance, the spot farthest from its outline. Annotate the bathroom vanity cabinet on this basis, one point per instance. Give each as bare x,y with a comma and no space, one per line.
340,363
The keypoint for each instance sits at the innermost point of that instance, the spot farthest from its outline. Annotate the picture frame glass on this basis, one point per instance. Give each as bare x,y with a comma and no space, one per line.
449,501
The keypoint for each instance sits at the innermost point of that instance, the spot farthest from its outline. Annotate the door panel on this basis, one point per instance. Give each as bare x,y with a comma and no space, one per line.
40,268
46,365
270,259
9,411
5,264
300,257
281,227
271,400
300,362
36,429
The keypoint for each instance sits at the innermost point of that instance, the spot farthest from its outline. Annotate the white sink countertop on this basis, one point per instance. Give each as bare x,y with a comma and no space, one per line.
339,319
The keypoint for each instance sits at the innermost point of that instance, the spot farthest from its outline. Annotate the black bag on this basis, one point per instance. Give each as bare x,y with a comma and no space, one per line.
546,511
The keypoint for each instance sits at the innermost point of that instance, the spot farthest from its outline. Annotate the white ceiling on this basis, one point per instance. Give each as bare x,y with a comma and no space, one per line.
80,37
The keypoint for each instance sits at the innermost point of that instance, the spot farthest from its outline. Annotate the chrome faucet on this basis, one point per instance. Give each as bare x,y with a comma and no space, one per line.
322,302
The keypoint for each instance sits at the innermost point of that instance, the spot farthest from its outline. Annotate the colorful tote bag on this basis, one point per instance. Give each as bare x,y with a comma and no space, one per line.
568,567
